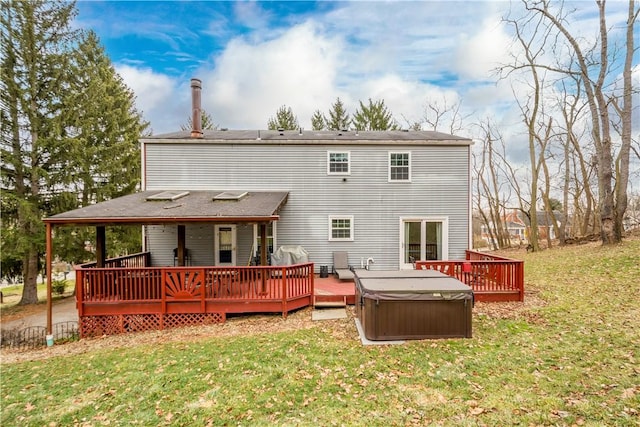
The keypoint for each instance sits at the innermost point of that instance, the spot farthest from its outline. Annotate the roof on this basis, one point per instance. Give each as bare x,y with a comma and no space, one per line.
317,137
180,206
544,219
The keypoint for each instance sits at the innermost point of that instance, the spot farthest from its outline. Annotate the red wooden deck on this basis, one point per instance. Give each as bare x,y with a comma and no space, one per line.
491,277
332,289
128,296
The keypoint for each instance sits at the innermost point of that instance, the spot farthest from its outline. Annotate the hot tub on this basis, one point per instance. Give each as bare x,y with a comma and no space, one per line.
412,304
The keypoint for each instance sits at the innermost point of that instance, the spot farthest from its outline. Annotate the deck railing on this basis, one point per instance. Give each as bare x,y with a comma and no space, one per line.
165,289
141,259
492,278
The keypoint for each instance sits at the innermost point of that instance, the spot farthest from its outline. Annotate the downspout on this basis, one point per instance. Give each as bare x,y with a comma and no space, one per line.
143,184
470,200
49,261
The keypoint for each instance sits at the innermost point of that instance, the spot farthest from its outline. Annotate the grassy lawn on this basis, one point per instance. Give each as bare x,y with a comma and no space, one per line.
573,360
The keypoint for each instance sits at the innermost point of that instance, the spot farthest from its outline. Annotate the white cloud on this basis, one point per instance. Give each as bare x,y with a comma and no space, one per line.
251,81
478,55
155,97
406,53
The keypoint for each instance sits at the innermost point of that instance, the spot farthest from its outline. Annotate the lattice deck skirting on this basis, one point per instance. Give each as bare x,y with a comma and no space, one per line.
95,326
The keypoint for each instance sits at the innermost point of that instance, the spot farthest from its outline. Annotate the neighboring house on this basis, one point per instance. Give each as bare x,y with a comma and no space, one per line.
545,224
518,226
514,225
392,196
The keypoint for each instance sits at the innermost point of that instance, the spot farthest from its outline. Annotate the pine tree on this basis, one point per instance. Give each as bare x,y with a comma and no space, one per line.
317,121
35,35
69,131
374,116
338,117
103,139
284,119
206,121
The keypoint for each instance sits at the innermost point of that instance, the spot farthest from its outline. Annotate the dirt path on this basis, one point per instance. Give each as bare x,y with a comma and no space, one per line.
63,311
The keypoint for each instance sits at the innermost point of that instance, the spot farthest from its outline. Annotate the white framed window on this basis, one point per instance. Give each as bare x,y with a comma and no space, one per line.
338,163
400,166
341,228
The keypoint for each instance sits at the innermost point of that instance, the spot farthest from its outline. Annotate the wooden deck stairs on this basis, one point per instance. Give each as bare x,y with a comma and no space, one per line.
329,301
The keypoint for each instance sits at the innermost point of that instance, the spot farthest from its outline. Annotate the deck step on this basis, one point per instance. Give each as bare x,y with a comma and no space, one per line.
329,304
329,301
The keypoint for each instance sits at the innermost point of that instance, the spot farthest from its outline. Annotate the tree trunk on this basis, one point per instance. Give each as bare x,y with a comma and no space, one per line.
611,201
622,163
30,288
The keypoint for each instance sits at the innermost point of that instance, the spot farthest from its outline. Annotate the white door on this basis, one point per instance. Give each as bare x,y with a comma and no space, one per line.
423,239
225,245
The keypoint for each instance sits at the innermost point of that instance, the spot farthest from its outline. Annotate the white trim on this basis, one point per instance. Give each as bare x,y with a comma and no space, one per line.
351,228
329,153
143,168
389,166
444,220
216,244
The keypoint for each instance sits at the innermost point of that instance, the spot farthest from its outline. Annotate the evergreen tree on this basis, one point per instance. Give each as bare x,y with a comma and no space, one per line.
105,155
338,117
206,121
284,119
69,131
317,121
374,116
35,35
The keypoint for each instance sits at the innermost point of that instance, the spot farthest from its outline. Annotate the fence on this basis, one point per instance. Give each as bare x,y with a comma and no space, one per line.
36,336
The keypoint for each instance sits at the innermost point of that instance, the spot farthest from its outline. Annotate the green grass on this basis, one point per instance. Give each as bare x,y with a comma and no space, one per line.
13,293
570,361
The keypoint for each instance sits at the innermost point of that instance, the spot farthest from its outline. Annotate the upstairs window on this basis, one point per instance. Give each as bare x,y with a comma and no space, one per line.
400,167
341,228
338,163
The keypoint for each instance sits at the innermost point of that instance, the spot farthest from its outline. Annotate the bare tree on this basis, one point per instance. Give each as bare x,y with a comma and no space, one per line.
490,185
594,66
530,37
443,116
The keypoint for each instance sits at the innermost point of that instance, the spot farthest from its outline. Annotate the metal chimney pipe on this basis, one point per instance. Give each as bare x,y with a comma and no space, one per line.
196,108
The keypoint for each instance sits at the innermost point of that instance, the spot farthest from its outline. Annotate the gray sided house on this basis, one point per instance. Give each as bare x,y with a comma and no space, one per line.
218,206
388,197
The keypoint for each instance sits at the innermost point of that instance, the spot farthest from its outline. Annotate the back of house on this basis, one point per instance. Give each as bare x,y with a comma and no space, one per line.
386,198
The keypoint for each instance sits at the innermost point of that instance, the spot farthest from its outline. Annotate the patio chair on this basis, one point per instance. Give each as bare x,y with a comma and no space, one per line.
341,267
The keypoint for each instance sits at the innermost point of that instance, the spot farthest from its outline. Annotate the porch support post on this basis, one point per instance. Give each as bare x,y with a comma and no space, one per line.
49,263
263,253
263,244
182,233
101,246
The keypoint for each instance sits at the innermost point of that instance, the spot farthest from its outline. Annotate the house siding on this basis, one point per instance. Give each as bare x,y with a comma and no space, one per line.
439,187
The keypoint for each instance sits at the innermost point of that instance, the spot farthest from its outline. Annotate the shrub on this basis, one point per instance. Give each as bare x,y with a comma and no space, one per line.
58,286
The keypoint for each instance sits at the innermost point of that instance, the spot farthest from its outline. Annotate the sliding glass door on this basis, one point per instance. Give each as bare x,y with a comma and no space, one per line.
422,239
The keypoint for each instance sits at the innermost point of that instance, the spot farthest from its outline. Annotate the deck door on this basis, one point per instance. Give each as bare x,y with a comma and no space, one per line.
423,239
225,245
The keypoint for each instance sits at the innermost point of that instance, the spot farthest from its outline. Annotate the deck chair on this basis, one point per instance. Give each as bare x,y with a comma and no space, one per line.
341,267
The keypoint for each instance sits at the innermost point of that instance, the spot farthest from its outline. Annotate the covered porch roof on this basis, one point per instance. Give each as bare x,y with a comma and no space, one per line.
178,206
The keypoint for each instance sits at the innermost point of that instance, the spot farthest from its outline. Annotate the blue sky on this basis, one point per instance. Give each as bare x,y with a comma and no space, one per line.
254,57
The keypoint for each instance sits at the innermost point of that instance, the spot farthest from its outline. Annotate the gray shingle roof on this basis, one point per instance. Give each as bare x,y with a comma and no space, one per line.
196,206
310,136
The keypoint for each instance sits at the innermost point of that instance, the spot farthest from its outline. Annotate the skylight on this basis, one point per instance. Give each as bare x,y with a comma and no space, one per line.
167,195
230,195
